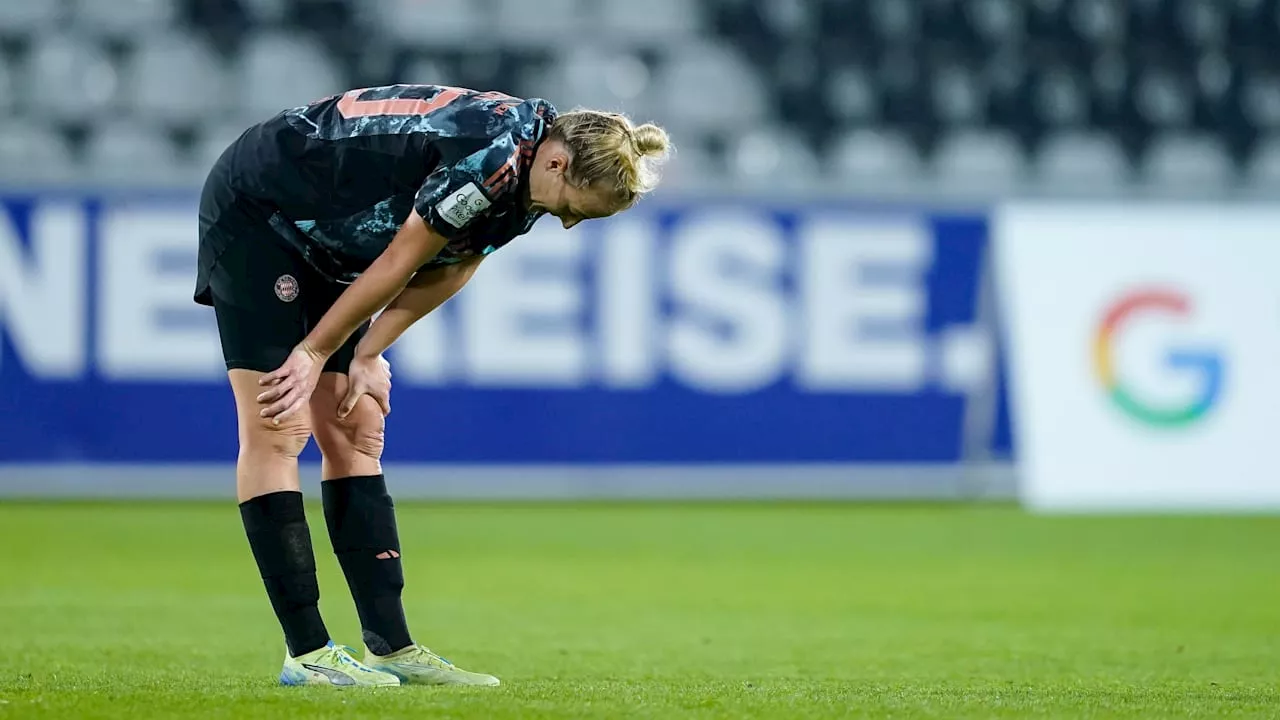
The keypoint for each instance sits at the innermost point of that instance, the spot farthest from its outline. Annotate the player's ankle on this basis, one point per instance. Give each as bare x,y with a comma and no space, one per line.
306,650
389,651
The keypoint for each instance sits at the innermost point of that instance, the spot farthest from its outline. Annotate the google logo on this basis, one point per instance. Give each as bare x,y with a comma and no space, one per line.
1207,364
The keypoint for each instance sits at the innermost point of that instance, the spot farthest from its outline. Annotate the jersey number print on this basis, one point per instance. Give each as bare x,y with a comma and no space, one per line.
351,106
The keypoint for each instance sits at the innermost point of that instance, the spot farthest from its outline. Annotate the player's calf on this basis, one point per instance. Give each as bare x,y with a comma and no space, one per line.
362,528
360,514
275,521
276,526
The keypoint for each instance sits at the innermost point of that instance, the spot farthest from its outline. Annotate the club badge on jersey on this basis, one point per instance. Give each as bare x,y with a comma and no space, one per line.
287,288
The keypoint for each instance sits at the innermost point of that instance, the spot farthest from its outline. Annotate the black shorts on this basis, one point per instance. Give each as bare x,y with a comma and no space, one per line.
265,296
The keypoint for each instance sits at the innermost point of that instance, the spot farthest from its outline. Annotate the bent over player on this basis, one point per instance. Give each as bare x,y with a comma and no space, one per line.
381,199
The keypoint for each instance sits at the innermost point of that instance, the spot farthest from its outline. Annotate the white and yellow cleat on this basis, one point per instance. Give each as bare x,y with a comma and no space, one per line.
417,665
332,665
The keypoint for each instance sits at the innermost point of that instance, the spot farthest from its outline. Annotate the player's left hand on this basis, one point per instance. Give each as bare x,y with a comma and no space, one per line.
368,375
290,386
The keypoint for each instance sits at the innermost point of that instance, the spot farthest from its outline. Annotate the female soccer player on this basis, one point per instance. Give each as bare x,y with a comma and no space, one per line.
381,199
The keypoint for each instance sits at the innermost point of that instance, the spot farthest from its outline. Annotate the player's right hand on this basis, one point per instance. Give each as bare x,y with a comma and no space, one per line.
290,386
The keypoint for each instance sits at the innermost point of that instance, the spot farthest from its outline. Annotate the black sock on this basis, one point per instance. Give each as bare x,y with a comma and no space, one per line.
276,525
362,527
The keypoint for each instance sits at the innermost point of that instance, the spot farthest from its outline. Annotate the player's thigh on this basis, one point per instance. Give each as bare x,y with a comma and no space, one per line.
256,297
254,291
260,436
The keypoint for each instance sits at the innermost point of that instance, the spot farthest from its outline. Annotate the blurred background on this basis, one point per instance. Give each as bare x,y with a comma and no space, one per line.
905,95
963,256
811,306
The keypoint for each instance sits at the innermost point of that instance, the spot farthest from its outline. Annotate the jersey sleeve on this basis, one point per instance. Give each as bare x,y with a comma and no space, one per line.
455,195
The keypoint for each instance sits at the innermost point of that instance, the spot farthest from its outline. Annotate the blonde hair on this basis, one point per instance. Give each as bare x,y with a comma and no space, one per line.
608,151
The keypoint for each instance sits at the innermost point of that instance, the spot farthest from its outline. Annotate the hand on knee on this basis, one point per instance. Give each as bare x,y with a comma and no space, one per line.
353,445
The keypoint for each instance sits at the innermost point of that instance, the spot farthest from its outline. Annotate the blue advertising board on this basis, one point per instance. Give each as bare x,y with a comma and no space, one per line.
718,332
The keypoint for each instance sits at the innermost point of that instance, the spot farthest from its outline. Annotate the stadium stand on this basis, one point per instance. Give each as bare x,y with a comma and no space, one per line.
1049,95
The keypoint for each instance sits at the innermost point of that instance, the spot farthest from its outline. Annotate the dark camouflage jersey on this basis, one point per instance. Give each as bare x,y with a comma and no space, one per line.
343,173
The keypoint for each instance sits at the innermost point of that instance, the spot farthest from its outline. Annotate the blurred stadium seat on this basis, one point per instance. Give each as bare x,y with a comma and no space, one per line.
123,18
35,155
706,88
133,153
69,78
21,18
212,141
266,12
425,25
280,70
7,88
768,158
1079,162
864,159
596,77
1075,90
650,23
176,78
693,167
1264,169
521,24
990,159
1188,164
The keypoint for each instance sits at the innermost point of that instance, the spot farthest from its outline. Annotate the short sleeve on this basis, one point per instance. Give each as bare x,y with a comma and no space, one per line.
454,196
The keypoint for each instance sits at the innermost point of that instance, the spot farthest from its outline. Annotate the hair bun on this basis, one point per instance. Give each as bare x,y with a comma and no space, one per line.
607,150
651,140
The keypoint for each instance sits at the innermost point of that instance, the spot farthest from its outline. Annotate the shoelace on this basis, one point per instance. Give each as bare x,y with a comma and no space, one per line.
431,658
345,656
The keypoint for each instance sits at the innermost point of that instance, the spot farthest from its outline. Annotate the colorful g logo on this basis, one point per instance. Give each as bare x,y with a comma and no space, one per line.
1206,363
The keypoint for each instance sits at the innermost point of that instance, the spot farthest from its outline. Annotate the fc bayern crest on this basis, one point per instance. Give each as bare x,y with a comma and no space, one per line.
287,288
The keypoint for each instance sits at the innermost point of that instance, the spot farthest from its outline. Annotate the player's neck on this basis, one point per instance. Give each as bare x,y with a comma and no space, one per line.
526,197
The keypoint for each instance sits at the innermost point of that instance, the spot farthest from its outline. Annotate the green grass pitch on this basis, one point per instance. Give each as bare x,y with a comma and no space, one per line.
706,611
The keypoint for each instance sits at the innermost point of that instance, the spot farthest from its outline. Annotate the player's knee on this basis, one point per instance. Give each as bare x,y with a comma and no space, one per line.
368,439
359,434
287,439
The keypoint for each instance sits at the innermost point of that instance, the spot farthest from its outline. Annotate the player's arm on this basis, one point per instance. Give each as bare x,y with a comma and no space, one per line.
425,292
450,199
386,278
369,374
288,388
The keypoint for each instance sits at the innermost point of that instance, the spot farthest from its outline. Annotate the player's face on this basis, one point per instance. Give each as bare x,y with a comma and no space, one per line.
552,190
576,204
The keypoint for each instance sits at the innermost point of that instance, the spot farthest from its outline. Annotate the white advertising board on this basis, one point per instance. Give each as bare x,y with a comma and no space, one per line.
1144,351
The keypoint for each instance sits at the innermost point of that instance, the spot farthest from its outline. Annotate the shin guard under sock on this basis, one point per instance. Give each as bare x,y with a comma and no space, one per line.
362,528
276,525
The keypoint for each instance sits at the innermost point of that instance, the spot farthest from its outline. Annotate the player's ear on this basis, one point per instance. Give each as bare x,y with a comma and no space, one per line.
558,162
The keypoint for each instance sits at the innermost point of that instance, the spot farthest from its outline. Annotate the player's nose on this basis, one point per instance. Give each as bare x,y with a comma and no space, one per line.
569,223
